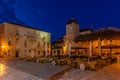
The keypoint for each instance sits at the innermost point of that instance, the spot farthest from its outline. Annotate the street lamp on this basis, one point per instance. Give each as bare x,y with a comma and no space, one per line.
3,46
3,49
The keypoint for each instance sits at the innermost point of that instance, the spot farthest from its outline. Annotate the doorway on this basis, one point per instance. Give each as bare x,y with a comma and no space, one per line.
58,54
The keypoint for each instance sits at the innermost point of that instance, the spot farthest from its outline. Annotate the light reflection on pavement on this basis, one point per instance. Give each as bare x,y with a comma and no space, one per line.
9,73
2,69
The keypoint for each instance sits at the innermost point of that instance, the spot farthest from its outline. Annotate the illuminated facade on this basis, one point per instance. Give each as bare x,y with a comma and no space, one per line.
21,41
102,42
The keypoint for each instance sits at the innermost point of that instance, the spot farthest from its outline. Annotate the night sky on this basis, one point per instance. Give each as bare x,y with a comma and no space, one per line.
52,15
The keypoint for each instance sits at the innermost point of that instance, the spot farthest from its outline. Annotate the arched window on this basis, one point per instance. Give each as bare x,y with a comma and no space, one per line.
17,33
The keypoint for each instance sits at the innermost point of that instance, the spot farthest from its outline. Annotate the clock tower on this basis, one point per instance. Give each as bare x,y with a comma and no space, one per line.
72,30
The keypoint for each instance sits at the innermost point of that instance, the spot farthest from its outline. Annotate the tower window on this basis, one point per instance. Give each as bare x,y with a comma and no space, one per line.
9,41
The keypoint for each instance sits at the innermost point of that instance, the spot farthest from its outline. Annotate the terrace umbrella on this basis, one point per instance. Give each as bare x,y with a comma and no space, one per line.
110,46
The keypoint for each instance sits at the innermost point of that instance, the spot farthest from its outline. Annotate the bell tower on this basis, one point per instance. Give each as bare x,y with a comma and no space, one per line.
72,30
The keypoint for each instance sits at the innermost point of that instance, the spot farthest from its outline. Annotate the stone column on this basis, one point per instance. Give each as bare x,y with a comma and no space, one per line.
99,46
90,48
69,49
46,49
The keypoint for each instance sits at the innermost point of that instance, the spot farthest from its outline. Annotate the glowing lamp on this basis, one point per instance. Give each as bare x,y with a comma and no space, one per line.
3,46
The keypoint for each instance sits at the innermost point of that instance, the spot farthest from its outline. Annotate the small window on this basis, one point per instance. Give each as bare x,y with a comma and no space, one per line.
17,33
43,53
25,43
43,39
39,52
29,50
54,51
9,52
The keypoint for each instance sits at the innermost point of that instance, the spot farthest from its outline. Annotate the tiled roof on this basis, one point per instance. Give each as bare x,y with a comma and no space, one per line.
58,41
104,33
72,20
25,26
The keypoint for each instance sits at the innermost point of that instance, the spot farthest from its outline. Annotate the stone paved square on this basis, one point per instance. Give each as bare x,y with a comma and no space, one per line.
22,70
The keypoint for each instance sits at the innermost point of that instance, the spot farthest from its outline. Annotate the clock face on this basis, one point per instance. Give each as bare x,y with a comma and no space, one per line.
69,28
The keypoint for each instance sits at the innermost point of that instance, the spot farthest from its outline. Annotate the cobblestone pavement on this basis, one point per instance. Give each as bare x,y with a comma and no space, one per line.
22,70
111,72
76,74
8,73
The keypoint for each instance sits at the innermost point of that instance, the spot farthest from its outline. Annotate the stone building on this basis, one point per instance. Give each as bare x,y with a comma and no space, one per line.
102,42
21,41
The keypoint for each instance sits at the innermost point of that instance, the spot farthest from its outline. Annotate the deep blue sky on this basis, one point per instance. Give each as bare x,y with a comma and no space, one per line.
52,15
